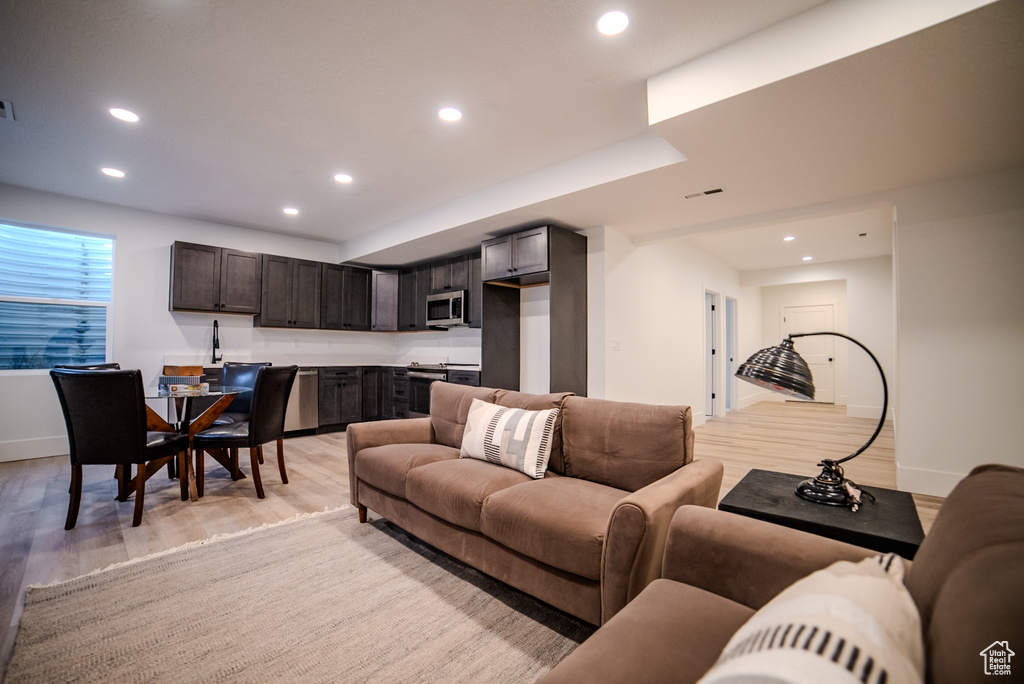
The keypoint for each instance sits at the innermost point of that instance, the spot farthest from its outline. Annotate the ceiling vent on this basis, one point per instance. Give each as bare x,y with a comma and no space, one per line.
695,195
6,111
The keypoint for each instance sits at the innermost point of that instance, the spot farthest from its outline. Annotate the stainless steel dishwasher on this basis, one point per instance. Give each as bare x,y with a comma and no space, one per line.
303,402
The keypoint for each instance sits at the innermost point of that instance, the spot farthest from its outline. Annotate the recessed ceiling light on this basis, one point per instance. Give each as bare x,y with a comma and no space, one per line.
343,178
808,258
124,114
291,211
113,173
789,238
450,114
613,23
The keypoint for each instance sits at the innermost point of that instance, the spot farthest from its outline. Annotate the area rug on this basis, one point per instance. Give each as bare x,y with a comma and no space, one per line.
317,599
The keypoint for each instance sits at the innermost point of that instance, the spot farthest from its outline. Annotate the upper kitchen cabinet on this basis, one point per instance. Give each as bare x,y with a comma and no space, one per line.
413,288
449,274
345,298
384,312
291,293
206,278
521,256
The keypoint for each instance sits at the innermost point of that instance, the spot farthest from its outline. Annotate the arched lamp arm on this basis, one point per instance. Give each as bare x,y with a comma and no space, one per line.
885,390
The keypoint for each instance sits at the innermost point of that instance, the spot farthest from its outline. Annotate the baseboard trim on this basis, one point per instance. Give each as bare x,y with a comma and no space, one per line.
41,447
931,482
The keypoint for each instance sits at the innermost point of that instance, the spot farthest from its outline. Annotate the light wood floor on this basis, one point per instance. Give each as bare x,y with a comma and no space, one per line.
35,548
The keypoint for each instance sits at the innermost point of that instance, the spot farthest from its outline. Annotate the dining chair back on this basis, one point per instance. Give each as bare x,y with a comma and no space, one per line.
105,415
233,374
92,366
265,424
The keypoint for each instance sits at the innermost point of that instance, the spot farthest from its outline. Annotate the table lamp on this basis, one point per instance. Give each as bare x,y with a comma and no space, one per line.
781,369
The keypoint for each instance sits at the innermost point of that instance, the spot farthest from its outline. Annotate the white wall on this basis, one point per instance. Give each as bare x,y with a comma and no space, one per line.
653,337
145,331
865,313
960,317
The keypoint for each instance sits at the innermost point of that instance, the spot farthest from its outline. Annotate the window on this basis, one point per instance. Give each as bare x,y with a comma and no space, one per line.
54,297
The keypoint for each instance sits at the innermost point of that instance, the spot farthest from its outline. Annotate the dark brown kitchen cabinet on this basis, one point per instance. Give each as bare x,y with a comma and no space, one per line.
395,399
291,293
345,298
413,288
373,386
514,256
475,292
207,278
384,313
340,396
449,274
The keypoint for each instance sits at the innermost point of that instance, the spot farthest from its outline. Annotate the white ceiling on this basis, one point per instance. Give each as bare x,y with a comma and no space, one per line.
249,106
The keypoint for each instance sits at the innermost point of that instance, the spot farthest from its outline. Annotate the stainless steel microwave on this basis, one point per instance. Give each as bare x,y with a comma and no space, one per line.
447,309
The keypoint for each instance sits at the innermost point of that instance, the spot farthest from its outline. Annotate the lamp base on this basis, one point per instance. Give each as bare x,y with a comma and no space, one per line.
827,488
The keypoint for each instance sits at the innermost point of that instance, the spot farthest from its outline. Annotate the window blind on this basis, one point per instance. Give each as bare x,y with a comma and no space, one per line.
55,292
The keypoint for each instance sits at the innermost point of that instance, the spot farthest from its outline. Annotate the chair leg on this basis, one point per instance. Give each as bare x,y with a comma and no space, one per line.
140,491
254,458
362,513
75,490
280,461
182,459
200,468
124,478
233,460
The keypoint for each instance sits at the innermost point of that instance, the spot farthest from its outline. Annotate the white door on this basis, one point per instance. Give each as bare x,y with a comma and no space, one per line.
818,351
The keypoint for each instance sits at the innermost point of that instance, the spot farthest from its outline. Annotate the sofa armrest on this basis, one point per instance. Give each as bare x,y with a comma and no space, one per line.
745,559
637,528
380,432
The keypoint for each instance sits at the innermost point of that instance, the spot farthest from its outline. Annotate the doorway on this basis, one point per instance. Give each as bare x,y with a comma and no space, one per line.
818,351
710,352
731,342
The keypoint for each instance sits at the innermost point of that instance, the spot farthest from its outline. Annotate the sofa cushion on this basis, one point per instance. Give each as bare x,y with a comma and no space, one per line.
850,622
560,521
671,632
984,510
510,437
454,490
386,467
538,402
449,407
624,445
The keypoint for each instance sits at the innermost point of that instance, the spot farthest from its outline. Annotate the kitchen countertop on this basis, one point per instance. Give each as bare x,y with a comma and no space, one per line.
307,361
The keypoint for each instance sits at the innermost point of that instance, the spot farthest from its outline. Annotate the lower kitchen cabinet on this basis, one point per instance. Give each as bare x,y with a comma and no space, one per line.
464,377
340,396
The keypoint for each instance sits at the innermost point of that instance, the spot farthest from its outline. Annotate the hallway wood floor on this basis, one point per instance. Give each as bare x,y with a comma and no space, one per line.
35,548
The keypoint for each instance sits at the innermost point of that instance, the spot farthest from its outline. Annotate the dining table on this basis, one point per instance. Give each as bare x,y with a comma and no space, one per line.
184,400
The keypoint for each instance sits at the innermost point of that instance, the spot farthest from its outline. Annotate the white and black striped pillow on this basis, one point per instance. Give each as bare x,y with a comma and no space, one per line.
515,438
851,622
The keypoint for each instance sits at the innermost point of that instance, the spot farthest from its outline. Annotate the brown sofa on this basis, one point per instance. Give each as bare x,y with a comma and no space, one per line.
967,582
586,538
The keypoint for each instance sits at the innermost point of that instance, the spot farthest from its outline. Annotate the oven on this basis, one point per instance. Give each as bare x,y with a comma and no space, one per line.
420,380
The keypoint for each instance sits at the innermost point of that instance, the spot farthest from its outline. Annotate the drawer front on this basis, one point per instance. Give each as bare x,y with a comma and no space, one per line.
471,378
400,390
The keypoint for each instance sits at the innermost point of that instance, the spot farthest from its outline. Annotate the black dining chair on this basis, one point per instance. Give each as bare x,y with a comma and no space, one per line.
233,374
105,415
265,424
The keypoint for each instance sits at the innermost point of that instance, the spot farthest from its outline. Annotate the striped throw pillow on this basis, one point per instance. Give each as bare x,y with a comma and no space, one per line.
850,623
514,438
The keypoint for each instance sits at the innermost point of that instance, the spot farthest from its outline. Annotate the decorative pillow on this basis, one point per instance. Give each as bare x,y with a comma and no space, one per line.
515,438
850,622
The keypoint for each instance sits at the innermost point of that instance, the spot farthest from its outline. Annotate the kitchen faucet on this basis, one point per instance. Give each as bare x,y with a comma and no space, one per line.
216,342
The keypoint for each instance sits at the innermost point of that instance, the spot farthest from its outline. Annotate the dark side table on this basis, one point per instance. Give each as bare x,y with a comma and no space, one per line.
890,523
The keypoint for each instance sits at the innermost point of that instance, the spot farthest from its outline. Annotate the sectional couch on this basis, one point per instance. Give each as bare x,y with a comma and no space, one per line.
769,603
587,536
